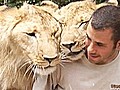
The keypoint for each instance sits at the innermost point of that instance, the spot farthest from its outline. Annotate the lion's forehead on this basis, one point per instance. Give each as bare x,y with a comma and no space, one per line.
43,35
76,13
39,24
34,26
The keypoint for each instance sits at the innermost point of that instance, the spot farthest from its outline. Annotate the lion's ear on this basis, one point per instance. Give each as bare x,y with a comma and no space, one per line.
113,2
49,6
109,2
7,16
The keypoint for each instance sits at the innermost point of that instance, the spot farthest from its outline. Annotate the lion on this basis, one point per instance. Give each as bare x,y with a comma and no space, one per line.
29,46
74,18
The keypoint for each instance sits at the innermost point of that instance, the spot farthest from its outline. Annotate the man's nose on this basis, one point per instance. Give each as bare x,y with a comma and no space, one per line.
91,48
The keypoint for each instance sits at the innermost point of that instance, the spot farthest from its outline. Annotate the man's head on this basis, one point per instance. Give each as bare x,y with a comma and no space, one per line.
107,17
103,35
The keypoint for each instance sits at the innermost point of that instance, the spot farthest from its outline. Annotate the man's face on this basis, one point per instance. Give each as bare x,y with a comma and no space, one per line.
100,46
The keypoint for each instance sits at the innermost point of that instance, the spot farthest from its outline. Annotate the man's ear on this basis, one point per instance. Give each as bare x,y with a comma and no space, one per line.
118,45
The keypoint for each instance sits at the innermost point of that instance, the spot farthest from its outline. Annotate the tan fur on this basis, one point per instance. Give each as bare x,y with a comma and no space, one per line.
49,6
110,2
73,35
29,46
3,7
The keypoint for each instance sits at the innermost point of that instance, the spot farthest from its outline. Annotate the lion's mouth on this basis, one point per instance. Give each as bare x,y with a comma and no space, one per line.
72,54
44,70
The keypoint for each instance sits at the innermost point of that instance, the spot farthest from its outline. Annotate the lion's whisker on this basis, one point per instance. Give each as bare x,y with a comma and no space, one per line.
34,73
27,70
28,62
62,65
31,71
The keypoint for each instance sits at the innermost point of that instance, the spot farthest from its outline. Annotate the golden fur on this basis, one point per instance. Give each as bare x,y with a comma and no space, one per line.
29,46
30,39
3,7
73,34
49,6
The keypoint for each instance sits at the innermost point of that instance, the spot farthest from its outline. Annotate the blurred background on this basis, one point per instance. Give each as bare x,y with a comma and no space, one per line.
61,3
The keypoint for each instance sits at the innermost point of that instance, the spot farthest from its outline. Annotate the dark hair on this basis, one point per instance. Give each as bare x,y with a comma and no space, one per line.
107,17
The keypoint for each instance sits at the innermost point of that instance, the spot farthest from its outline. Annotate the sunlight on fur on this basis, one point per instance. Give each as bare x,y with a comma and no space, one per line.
33,40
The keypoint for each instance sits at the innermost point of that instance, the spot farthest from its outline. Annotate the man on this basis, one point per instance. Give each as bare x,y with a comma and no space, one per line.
103,35
101,71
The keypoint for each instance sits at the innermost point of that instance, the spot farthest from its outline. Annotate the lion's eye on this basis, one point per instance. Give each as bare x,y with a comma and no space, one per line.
31,34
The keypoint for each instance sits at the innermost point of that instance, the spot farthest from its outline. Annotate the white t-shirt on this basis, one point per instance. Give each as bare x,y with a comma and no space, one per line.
83,75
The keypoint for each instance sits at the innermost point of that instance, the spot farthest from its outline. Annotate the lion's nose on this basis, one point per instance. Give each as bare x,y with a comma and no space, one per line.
69,45
49,59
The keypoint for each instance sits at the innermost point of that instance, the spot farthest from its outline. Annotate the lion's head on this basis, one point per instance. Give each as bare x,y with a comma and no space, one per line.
73,43
29,44
73,18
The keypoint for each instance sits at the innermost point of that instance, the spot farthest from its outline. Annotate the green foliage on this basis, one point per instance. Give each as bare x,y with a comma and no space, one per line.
99,1
18,3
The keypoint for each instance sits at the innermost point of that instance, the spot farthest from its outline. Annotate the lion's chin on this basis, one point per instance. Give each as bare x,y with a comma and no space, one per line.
45,71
